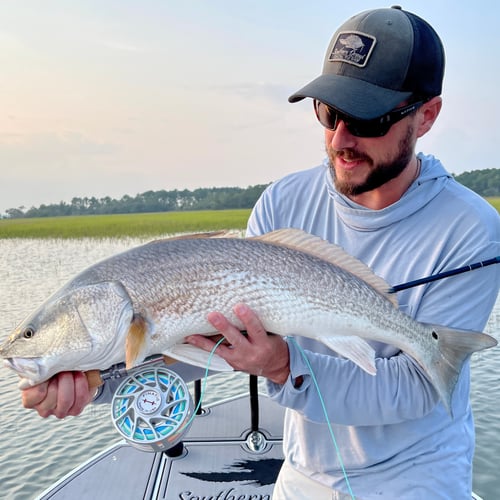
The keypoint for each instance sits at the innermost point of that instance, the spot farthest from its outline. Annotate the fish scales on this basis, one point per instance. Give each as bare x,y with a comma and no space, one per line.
200,276
217,274
148,299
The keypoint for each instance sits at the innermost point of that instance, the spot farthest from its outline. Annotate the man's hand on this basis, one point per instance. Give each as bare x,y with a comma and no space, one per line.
257,353
65,394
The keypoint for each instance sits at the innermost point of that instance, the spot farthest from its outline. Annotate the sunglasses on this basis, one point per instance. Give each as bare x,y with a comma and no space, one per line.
329,117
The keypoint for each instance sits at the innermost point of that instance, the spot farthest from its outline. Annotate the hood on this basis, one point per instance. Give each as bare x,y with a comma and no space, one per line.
431,181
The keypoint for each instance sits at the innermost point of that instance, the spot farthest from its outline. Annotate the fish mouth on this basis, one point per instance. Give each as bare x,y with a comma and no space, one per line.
28,368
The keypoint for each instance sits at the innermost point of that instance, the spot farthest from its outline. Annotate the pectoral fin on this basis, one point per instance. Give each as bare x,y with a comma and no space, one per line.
353,348
192,355
136,344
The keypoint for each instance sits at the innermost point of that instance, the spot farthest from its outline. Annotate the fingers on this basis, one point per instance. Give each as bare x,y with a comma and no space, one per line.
228,331
256,353
42,397
65,394
33,396
75,397
232,334
251,321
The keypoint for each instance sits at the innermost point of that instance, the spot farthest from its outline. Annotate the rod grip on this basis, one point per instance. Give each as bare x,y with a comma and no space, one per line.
94,379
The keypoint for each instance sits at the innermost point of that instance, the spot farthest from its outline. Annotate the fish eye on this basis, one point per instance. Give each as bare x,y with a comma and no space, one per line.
435,335
28,332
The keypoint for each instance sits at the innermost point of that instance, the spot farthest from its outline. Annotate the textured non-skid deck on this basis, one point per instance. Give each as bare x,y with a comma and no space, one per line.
215,463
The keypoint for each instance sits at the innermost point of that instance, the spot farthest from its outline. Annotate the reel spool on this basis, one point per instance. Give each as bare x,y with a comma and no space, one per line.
152,408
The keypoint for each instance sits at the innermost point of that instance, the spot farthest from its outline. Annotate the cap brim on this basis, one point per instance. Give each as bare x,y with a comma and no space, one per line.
354,97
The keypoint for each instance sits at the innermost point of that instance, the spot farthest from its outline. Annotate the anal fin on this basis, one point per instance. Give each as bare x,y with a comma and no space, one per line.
192,355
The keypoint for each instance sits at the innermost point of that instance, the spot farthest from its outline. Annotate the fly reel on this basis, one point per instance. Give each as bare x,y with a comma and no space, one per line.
152,408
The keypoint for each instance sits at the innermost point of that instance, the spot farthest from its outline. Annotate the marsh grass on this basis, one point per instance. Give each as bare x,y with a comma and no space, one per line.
495,201
124,225
133,225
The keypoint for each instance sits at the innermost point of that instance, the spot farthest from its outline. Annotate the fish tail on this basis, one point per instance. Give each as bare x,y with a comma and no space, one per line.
454,347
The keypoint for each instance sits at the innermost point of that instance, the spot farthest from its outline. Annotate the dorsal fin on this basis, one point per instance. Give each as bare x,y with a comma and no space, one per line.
209,234
223,233
298,239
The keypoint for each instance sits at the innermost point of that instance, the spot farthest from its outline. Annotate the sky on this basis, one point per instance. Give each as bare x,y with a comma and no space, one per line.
114,97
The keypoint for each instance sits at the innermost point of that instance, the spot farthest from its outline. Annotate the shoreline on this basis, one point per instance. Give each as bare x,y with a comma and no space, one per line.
137,225
134,225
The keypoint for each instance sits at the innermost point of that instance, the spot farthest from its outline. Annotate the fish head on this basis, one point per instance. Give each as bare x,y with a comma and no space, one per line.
78,329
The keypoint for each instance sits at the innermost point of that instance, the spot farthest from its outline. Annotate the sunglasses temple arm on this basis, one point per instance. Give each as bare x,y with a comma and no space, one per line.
445,274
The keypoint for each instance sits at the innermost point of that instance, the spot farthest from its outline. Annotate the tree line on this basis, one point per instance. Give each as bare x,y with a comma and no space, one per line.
149,201
485,182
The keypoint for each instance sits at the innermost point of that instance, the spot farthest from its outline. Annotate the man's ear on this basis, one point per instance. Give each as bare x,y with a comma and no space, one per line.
428,114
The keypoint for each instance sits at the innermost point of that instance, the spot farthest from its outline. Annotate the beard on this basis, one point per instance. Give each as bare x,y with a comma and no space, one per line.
379,174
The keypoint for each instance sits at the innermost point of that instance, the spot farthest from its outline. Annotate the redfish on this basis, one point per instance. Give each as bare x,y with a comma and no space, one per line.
146,300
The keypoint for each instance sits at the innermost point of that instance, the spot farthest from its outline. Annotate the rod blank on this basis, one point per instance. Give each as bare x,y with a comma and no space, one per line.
445,274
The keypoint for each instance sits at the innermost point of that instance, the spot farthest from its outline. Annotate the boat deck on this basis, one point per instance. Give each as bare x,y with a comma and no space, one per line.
215,461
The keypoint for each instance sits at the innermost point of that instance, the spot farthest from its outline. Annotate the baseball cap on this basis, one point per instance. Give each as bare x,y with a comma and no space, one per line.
376,60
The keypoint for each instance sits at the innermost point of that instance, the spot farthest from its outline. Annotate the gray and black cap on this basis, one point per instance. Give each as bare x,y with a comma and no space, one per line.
376,60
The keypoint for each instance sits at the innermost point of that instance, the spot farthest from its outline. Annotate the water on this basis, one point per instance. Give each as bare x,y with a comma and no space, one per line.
35,452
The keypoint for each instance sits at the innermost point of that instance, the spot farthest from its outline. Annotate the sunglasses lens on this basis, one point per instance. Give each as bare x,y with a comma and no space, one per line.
329,117
368,128
326,115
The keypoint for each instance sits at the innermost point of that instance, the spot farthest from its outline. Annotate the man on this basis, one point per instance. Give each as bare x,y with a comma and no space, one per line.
403,215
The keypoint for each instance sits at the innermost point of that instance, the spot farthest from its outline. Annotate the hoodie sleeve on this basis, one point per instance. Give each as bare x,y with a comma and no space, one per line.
349,396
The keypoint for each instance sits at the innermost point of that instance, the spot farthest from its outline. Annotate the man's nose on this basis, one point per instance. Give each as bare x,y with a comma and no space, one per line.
341,138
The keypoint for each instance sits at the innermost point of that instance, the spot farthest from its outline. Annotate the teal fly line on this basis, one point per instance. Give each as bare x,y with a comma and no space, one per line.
323,406
205,379
322,401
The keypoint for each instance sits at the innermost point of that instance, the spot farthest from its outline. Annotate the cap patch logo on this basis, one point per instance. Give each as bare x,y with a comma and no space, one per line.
352,47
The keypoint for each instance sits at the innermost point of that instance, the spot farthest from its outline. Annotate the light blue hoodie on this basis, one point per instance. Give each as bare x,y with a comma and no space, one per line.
395,438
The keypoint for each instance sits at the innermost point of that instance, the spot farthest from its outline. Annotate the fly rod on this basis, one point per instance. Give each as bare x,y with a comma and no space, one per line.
444,274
